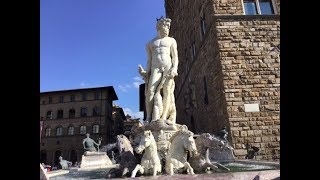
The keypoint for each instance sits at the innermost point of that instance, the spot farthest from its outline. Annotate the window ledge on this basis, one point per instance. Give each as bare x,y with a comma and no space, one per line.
248,17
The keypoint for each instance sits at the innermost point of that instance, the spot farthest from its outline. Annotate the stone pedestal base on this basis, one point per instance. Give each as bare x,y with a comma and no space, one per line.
95,160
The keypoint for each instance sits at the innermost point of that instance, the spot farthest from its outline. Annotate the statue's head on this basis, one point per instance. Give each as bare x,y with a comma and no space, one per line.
60,158
163,26
87,135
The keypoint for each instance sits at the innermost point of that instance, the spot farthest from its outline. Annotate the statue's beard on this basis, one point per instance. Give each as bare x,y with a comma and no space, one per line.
164,34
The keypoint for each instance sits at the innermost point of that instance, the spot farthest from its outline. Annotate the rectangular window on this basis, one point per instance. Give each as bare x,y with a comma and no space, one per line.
72,98
60,114
61,99
254,7
266,7
84,96
83,129
50,100
250,7
97,95
84,112
59,131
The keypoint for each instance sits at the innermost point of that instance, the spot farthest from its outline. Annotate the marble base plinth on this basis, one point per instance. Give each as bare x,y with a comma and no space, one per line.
95,160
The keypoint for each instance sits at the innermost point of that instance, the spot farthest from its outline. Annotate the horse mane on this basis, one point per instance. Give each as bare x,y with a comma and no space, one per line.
125,139
181,132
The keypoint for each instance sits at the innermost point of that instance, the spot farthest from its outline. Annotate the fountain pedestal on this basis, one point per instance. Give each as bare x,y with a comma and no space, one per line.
95,160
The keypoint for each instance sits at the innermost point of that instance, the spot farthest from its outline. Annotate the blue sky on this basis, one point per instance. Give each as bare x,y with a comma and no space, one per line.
93,43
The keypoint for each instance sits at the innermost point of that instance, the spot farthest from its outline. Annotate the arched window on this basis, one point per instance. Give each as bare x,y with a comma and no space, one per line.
95,129
72,113
84,112
59,131
71,130
60,114
96,111
49,115
83,129
48,132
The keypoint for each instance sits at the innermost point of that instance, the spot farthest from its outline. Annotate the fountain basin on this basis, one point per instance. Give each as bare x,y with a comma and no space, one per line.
240,169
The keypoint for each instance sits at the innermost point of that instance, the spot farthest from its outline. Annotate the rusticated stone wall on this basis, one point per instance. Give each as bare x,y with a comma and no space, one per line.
223,7
193,110
236,63
251,69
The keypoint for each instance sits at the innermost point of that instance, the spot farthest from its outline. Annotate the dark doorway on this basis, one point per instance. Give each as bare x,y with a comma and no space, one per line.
57,154
73,156
43,157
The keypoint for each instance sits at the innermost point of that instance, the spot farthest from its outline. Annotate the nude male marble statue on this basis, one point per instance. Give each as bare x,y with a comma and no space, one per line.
162,67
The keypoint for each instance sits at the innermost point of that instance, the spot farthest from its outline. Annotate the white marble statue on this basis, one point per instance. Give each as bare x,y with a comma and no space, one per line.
162,67
64,163
150,161
180,143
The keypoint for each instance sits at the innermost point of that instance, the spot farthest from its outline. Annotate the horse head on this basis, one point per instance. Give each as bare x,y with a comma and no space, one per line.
123,144
189,144
145,141
210,141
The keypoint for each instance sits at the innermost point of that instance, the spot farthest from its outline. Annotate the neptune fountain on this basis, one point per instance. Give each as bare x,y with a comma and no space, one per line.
162,147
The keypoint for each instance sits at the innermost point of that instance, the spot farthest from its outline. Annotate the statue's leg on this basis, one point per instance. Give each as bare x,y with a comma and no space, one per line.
167,94
157,106
154,171
189,168
125,171
169,168
134,172
153,83
173,111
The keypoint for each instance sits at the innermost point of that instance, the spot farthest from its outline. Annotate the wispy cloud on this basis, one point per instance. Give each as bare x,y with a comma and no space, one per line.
84,84
132,113
124,88
137,81
135,84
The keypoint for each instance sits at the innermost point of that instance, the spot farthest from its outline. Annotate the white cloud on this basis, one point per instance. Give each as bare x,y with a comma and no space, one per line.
84,84
137,81
134,115
124,88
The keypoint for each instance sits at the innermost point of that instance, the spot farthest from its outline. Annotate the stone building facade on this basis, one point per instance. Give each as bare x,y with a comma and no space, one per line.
229,70
68,115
